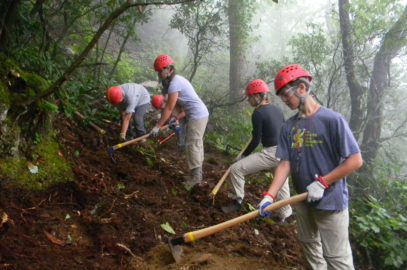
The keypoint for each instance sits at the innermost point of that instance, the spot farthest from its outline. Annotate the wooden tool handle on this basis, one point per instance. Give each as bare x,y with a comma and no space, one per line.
195,235
120,145
226,174
81,116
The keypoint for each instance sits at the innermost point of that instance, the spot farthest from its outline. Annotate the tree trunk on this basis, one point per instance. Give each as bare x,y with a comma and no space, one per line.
355,89
394,40
9,11
236,10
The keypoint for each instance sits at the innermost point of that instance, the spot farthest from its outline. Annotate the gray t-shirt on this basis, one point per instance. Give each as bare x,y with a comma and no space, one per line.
135,95
187,98
317,145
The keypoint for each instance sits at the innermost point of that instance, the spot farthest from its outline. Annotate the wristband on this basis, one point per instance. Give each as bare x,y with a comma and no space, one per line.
122,134
322,180
158,125
266,193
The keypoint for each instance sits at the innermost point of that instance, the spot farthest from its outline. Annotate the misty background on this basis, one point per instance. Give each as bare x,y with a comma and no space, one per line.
59,57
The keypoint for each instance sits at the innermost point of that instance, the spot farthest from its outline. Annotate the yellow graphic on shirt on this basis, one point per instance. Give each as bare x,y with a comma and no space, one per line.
302,137
298,139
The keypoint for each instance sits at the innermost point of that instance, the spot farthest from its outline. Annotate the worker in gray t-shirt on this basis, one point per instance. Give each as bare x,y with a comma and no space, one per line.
130,98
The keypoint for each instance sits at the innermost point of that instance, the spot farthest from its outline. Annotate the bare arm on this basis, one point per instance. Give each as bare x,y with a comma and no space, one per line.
125,121
351,164
169,107
181,112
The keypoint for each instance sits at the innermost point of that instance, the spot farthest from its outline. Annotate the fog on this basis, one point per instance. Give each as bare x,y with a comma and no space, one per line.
273,26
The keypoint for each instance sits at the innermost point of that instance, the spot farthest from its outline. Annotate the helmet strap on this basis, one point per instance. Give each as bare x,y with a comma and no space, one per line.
303,99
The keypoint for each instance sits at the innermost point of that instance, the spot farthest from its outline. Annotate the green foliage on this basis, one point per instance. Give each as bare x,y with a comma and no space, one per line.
380,226
120,186
47,106
174,191
37,138
233,130
41,63
372,19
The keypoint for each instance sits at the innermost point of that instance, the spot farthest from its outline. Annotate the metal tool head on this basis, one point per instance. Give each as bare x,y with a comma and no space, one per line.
110,152
176,248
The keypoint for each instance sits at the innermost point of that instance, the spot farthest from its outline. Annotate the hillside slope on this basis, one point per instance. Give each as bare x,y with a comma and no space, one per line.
78,225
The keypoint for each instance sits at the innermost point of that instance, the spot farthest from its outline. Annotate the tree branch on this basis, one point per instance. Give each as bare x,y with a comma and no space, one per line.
112,17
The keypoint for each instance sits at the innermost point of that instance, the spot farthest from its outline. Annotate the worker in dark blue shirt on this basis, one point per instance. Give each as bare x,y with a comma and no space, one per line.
267,120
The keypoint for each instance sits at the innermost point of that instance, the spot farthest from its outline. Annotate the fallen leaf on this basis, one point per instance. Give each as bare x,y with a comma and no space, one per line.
167,227
53,239
32,168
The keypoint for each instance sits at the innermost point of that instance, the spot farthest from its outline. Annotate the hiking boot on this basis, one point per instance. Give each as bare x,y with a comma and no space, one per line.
194,178
233,206
192,181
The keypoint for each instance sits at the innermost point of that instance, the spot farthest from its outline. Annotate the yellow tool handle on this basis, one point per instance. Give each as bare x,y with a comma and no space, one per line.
195,235
120,145
100,130
226,174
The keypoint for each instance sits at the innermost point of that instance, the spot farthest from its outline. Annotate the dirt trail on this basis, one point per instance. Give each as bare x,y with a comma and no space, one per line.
110,217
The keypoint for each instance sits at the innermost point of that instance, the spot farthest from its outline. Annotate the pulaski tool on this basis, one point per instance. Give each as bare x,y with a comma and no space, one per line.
111,149
175,243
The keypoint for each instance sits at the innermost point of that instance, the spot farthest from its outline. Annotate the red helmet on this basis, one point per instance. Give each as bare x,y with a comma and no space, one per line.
162,61
114,94
157,101
256,86
288,74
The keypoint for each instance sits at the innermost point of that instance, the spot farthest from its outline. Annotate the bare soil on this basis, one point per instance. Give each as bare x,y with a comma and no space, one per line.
110,216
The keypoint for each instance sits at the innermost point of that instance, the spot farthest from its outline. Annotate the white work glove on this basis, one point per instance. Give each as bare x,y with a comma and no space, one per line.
155,131
267,200
316,189
122,136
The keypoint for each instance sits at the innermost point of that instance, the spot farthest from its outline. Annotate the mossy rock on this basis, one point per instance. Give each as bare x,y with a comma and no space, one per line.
52,168
16,84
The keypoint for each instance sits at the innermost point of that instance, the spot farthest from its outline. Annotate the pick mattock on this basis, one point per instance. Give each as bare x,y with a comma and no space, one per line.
175,244
111,149
225,175
100,130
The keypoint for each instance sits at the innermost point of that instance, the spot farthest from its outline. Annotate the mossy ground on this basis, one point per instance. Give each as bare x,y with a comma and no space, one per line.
52,168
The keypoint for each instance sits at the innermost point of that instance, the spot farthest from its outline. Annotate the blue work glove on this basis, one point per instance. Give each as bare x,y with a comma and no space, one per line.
155,131
316,189
267,200
174,124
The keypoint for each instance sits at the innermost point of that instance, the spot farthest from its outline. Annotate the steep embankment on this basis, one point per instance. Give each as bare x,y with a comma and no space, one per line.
110,217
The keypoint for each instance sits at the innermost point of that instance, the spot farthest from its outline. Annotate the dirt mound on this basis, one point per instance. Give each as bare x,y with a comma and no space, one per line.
110,217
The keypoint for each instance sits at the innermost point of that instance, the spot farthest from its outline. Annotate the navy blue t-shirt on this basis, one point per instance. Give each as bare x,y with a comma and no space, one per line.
317,145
